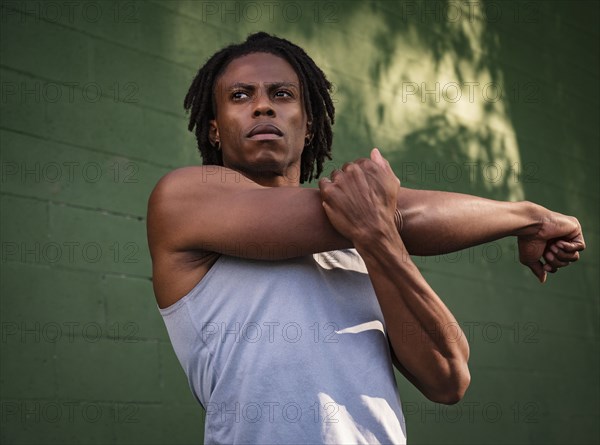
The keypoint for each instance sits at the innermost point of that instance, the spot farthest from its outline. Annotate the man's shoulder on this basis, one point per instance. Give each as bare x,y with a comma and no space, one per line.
202,175
192,180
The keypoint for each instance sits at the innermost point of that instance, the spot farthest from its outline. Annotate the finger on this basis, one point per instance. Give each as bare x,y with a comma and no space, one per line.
567,256
564,256
570,246
334,174
346,165
538,270
553,261
378,158
324,184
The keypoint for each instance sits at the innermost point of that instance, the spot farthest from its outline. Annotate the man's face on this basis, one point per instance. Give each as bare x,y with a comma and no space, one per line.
260,118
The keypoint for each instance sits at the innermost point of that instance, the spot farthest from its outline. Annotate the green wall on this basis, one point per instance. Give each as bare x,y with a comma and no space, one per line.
498,99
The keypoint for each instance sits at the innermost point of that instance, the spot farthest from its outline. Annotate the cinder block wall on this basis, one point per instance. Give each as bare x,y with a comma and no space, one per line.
498,99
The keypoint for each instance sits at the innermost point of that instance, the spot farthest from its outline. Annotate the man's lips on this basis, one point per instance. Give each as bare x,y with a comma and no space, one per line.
264,131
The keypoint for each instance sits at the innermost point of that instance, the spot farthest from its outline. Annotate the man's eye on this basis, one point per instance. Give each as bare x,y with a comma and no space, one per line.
283,93
237,95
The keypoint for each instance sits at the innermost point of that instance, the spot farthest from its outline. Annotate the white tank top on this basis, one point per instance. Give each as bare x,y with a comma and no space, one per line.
291,351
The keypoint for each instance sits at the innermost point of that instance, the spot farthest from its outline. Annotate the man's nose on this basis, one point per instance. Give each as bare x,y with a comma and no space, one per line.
263,106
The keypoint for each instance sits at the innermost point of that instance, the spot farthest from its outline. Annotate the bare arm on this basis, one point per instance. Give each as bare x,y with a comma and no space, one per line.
216,209
455,221
441,222
197,213
360,202
426,339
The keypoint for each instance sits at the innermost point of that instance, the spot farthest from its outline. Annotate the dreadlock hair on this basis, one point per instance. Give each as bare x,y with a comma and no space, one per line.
315,93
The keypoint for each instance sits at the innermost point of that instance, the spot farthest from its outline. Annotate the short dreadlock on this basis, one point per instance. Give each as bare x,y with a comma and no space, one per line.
315,92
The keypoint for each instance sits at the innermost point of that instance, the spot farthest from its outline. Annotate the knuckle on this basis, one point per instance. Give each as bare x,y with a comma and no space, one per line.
352,171
326,193
371,166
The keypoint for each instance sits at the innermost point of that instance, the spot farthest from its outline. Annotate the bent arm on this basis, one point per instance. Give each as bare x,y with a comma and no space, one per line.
416,319
429,346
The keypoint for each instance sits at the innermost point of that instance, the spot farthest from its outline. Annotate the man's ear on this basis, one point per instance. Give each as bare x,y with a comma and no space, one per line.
213,132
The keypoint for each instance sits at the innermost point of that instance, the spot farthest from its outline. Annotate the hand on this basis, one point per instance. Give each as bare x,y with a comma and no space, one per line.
360,199
558,241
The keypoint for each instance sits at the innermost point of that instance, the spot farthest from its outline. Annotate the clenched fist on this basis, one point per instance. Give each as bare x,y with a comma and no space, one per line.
558,242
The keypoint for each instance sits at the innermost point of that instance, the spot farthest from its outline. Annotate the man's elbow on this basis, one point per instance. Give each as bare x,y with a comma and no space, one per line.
454,388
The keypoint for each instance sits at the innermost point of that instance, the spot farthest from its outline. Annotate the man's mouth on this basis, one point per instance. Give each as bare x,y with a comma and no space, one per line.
264,131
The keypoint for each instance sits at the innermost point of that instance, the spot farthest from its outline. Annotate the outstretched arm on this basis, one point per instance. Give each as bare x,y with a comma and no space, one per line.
215,209
442,222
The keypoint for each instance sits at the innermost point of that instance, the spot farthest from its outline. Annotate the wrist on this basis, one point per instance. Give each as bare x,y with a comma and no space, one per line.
384,239
530,216
385,254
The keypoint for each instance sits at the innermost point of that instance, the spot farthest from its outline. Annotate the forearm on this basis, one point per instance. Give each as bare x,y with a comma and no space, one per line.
441,222
423,333
360,202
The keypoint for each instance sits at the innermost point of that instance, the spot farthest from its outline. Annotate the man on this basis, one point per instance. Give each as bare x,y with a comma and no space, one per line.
286,306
